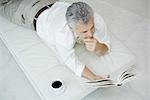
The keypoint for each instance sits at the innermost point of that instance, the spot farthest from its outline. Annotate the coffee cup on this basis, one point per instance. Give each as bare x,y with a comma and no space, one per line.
57,86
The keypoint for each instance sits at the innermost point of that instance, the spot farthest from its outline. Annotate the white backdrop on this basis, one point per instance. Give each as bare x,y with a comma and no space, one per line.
128,26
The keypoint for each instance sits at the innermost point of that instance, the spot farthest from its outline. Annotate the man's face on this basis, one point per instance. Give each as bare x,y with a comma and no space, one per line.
84,30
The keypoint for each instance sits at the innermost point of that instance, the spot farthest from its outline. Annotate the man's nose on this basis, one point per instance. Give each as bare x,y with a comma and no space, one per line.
90,35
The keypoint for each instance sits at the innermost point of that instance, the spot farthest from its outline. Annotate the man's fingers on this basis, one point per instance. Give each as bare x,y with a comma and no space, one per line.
88,40
89,48
88,43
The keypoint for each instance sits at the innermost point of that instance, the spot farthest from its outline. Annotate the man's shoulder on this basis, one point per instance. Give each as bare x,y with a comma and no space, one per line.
98,19
57,14
54,18
100,24
62,3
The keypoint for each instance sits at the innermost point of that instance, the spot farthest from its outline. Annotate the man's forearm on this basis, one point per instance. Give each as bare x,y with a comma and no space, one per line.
90,75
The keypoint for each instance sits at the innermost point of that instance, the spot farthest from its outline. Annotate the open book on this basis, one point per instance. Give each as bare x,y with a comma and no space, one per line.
114,80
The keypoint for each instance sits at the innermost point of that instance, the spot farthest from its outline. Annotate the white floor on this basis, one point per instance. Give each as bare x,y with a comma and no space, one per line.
129,21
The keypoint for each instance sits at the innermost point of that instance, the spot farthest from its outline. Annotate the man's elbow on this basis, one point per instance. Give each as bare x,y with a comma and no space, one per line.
104,49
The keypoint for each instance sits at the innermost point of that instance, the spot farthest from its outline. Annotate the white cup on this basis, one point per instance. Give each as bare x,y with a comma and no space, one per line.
58,86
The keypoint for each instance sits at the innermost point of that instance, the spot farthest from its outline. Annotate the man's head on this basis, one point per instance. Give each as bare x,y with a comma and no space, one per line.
80,19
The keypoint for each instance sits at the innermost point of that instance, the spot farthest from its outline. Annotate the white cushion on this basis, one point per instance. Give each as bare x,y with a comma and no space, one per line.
40,64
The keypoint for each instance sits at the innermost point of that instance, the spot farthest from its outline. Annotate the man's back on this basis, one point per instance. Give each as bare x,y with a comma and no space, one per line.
52,26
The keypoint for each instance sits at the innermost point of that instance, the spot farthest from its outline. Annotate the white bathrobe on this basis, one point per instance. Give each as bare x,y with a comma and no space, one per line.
54,31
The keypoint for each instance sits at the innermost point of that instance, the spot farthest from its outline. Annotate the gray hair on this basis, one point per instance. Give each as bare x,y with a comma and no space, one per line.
78,12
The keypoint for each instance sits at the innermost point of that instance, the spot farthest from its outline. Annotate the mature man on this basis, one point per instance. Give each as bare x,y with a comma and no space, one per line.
61,25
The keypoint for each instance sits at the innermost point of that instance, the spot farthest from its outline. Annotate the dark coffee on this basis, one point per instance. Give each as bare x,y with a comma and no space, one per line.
56,84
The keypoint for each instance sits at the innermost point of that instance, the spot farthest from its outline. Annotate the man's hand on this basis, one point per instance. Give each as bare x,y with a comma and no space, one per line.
94,46
88,74
90,44
98,77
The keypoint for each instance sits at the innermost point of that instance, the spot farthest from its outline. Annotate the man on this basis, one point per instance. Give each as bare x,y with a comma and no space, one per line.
61,25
